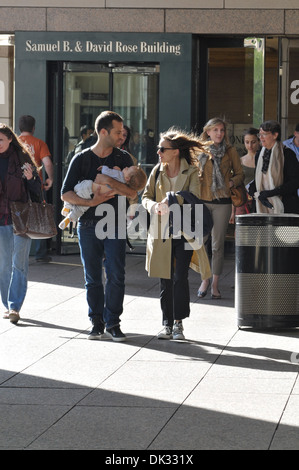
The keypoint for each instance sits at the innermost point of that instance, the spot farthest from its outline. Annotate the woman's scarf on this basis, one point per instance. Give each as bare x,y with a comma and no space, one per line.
266,159
269,171
218,184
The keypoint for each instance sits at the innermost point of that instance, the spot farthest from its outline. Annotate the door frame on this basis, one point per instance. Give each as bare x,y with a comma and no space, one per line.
55,135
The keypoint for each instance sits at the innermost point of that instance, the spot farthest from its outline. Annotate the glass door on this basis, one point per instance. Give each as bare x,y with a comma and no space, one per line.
131,91
87,89
238,81
135,98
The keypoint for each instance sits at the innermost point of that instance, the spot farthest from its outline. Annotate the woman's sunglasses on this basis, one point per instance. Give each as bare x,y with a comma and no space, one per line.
162,149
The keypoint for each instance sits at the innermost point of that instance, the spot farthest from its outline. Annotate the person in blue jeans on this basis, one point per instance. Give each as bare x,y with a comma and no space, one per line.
18,176
97,245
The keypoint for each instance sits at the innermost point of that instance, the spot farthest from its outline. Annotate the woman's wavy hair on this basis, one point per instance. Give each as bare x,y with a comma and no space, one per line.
23,153
188,144
213,123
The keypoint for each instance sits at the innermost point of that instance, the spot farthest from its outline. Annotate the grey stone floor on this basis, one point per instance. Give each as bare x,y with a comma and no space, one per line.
222,388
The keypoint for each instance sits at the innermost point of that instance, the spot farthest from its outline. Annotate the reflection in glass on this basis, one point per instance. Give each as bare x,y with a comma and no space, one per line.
131,91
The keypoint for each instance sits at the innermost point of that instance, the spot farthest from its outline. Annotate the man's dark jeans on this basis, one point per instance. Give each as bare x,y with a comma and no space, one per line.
105,305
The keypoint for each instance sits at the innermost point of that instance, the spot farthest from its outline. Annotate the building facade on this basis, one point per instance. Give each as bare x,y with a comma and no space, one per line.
154,62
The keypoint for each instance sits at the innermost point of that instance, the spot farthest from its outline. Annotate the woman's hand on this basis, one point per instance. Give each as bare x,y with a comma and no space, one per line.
27,171
160,208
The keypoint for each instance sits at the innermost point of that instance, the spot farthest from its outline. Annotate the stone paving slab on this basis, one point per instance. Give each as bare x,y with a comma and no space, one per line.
221,388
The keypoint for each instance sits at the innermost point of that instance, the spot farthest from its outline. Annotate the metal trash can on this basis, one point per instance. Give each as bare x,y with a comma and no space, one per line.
267,270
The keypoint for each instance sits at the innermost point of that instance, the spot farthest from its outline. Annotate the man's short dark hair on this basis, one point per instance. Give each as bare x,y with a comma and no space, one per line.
104,120
26,123
297,127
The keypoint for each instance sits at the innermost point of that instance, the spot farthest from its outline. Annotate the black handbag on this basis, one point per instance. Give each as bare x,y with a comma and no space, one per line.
33,219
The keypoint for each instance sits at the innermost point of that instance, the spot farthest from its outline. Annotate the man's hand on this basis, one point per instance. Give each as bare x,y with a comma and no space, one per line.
99,198
48,184
119,188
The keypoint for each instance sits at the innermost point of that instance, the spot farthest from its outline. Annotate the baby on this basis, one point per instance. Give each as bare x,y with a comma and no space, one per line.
133,176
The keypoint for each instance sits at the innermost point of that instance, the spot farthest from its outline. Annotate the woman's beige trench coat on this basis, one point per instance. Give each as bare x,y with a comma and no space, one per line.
158,249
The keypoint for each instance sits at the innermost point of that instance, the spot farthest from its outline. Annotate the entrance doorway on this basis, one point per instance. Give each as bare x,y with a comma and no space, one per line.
238,80
82,91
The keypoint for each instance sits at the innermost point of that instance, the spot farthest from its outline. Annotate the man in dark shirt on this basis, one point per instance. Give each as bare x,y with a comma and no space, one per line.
104,213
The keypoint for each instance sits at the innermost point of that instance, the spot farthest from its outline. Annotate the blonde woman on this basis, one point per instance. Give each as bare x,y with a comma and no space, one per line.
220,171
167,257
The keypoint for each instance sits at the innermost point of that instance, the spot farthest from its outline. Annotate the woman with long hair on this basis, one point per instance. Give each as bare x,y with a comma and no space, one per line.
169,258
18,176
219,171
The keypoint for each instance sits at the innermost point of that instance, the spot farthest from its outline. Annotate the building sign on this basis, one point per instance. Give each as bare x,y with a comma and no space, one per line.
105,47
40,53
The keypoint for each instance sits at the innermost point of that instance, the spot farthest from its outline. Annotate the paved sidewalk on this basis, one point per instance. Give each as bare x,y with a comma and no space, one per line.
222,388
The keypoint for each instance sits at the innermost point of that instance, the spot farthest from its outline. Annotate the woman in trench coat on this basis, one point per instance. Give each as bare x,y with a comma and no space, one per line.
169,257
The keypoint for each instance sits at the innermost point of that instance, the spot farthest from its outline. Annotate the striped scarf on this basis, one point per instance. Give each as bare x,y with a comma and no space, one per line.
218,184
